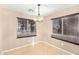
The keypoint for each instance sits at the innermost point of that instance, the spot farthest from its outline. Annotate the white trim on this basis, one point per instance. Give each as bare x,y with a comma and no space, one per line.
58,48
37,43
2,52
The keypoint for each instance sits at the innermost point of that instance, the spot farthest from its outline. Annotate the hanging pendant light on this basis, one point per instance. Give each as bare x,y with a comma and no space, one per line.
39,17
38,10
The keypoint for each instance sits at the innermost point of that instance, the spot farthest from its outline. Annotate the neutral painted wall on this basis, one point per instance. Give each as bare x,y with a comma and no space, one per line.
8,36
0,36
47,30
8,23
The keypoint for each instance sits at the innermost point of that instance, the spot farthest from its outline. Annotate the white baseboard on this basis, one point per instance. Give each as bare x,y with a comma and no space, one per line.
2,52
58,48
37,43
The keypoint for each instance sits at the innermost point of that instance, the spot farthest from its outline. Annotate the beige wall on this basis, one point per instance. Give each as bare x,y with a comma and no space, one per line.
47,30
8,22
8,36
0,37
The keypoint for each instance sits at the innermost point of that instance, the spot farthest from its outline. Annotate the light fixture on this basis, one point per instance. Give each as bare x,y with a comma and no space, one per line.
38,10
39,17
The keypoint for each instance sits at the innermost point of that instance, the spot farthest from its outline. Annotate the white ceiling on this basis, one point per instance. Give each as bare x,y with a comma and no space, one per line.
32,9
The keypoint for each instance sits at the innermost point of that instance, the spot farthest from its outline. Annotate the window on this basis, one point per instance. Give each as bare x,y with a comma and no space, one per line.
25,27
57,28
66,28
